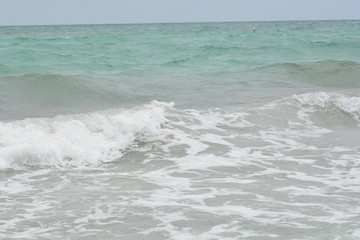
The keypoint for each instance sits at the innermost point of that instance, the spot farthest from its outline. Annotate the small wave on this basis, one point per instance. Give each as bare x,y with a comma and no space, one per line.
332,103
24,39
331,109
175,62
35,95
327,73
78,140
218,48
333,44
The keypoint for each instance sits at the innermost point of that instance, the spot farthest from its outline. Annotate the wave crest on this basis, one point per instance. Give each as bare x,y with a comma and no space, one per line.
332,102
78,140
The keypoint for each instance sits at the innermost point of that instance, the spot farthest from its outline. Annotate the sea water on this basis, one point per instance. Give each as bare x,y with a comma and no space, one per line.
180,131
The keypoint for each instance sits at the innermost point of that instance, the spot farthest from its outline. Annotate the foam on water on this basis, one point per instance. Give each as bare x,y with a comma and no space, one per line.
263,143
253,173
76,140
332,102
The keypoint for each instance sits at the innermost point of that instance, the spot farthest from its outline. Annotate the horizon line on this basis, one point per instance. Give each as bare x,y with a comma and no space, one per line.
185,22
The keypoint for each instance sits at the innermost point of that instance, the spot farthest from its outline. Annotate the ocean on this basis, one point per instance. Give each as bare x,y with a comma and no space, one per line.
180,131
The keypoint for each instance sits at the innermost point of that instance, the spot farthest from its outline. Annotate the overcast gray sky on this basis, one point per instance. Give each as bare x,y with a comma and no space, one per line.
47,12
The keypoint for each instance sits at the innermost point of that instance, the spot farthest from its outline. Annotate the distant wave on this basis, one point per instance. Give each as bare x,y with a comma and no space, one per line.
175,62
28,39
52,93
219,48
331,44
328,73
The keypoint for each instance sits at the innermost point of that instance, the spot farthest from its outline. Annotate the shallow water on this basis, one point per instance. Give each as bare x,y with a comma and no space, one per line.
180,131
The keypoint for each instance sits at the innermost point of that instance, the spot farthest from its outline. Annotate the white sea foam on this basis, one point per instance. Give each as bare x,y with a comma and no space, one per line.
332,102
75,140
213,174
329,104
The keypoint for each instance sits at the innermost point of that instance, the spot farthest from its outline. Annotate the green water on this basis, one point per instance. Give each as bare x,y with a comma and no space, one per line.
90,67
143,50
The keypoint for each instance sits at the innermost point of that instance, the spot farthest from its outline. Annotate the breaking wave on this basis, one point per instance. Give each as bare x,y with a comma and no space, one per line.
332,102
320,108
78,140
104,136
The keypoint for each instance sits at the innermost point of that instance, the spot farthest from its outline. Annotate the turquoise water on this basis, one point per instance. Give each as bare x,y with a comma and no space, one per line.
180,131
92,67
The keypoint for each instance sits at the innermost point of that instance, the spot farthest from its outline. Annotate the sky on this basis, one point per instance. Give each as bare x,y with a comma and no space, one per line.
50,12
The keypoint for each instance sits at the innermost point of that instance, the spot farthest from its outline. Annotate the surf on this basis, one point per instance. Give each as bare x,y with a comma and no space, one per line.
78,140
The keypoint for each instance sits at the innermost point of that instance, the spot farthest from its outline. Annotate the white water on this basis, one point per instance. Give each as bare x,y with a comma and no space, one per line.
285,170
76,140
